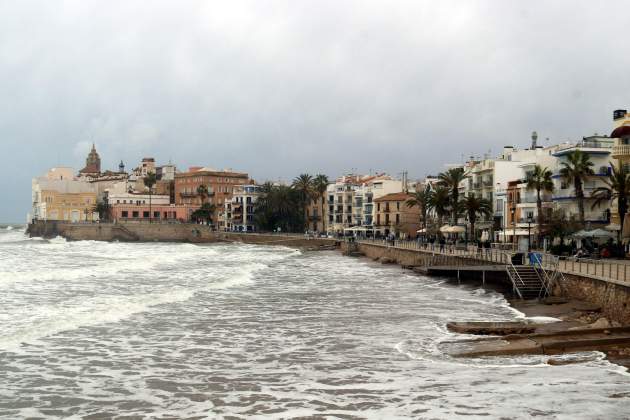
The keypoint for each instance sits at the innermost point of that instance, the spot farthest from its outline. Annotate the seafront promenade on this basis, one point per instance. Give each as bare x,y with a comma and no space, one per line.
615,271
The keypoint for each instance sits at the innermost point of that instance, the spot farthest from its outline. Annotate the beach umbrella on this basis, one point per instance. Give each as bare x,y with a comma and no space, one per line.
457,229
613,227
445,229
595,233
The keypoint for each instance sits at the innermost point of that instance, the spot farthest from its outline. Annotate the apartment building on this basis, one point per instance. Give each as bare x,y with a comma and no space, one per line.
392,215
351,198
220,184
238,213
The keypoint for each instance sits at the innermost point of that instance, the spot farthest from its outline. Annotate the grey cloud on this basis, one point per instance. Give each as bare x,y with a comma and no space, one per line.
281,87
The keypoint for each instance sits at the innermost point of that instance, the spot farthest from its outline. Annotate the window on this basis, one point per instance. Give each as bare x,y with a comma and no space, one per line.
125,214
135,214
397,205
145,214
397,218
156,214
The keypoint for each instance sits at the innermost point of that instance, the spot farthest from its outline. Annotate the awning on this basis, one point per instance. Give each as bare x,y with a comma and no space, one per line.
595,233
452,229
517,232
613,227
421,231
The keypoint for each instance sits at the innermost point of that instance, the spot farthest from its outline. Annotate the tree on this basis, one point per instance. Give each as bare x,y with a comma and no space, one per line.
576,169
320,185
617,188
149,182
279,207
303,185
451,180
540,180
422,199
475,206
202,190
103,209
205,213
440,201
559,226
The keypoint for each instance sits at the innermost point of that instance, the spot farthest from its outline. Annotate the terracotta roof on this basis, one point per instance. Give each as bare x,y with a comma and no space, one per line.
394,197
92,168
622,131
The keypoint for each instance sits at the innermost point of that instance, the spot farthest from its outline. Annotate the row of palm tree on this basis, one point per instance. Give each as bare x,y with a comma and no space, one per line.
444,201
285,208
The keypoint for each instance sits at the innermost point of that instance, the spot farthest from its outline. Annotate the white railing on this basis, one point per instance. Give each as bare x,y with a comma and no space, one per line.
609,270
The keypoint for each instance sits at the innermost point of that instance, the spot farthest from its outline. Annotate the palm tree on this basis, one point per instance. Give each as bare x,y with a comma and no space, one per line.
475,206
422,199
149,181
540,180
202,190
451,180
440,202
576,169
205,212
320,185
303,185
617,187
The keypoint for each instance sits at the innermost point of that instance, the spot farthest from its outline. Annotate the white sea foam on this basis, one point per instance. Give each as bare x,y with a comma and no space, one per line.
180,330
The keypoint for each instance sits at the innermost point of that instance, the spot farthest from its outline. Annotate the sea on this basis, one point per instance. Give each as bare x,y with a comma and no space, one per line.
97,330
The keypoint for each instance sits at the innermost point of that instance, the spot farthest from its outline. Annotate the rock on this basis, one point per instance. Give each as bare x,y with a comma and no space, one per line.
600,323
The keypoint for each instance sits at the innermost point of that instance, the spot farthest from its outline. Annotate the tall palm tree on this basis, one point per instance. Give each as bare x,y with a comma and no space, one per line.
618,188
320,185
422,199
202,190
475,206
440,201
303,185
451,180
149,181
540,180
576,169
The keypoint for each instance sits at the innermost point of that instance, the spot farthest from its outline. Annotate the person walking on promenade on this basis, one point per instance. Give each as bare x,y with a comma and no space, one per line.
442,243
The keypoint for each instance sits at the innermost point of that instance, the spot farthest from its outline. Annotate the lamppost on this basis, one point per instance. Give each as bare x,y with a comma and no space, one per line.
529,232
513,212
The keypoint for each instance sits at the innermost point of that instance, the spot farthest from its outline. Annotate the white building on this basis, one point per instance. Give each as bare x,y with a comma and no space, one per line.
351,201
238,213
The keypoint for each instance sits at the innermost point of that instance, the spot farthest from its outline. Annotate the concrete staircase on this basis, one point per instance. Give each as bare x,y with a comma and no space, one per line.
526,281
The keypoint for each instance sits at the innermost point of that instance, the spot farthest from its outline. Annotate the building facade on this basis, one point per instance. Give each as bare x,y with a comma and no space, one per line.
219,184
59,196
394,216
239,211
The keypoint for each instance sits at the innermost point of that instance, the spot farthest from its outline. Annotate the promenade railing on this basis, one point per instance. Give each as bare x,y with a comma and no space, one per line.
610,270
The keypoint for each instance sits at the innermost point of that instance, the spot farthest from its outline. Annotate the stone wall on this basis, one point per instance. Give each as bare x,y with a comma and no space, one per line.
613,298
162,232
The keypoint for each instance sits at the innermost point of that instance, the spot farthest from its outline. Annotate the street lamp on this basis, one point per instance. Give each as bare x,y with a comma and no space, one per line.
529,232
513,212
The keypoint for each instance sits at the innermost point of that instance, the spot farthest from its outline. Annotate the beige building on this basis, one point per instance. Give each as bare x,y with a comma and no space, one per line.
59,196
394,216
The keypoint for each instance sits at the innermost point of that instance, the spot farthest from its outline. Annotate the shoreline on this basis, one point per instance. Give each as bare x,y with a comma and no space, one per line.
571,314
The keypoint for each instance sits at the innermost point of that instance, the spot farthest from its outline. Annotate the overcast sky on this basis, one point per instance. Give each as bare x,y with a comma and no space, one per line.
276,88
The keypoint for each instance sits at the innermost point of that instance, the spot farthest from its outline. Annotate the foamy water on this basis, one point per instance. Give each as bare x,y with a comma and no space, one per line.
214,331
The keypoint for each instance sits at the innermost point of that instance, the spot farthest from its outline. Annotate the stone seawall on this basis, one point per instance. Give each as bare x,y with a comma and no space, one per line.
612,297
162,232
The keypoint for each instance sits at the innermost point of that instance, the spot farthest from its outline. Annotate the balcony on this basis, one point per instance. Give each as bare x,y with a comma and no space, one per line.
621,150
185,194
